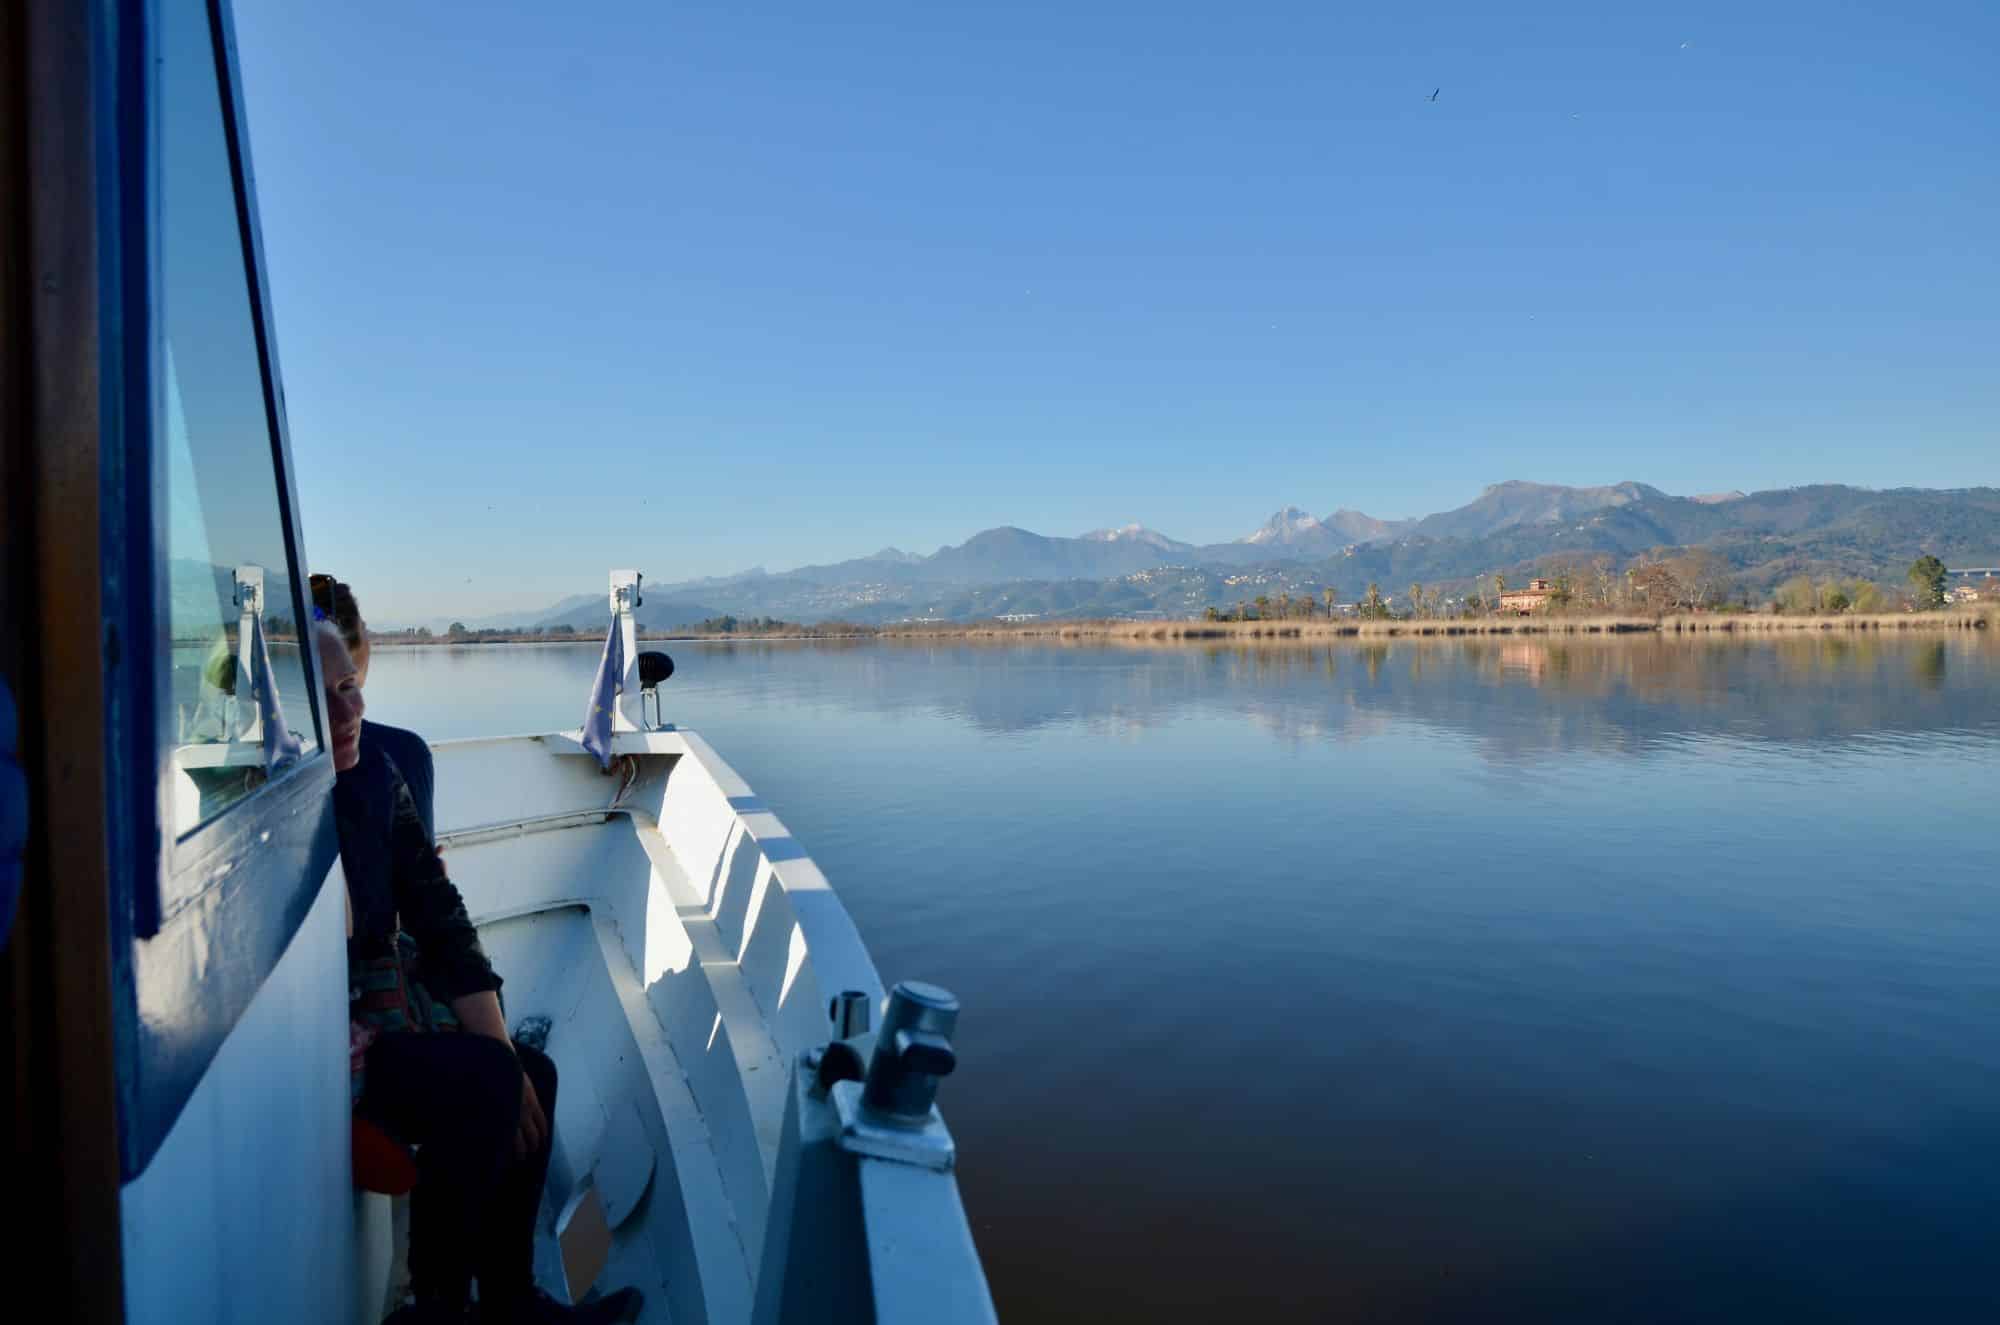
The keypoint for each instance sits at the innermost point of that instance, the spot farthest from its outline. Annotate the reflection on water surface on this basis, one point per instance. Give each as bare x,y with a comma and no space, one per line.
1636,979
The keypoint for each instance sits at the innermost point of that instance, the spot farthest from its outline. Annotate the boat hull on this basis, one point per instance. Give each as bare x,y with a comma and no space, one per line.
682,947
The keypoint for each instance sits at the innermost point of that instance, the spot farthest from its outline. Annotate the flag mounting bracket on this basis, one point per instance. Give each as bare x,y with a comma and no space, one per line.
625,591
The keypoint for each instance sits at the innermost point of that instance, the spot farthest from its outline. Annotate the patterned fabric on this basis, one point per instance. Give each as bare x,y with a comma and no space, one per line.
386,992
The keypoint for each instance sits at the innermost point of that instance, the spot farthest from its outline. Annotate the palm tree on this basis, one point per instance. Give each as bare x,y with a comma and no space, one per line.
1416,599
1263,601
1371,604
1328,594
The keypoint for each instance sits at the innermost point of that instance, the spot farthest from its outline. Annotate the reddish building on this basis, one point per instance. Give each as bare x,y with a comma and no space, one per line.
1528,601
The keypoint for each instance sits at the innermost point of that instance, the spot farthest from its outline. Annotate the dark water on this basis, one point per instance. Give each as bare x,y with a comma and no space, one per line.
1631,981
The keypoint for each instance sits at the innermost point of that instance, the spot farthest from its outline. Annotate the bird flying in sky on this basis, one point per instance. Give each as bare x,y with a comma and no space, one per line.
1434,93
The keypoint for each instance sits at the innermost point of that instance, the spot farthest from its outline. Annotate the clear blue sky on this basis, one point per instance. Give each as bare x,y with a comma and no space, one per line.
696,287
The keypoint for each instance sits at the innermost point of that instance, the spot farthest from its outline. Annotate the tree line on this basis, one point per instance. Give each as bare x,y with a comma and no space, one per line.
1655,584
460,633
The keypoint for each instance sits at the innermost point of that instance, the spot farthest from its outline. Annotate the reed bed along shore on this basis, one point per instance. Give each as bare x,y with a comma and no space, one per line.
1736,623
1709,624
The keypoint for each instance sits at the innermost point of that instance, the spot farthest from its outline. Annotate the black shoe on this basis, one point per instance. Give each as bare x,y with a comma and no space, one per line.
615,1308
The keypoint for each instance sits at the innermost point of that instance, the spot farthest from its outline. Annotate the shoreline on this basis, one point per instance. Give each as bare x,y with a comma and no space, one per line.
1718,623
1206,632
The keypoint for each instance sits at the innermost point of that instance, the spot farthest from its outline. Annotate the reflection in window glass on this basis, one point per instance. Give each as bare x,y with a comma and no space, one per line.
240,711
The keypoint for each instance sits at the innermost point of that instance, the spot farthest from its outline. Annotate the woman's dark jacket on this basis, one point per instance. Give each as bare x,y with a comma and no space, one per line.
411,754
393,871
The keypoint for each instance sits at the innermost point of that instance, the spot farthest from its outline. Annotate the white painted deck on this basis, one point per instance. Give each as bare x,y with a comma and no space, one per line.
685,949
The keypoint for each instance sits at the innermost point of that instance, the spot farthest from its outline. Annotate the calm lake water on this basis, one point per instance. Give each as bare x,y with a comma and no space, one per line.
1632,980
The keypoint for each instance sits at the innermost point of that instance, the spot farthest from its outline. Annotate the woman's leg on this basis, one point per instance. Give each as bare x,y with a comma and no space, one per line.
506,1259
458,1099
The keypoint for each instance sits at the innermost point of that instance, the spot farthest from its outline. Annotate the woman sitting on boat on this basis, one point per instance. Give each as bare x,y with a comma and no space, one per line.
474,1102
409,752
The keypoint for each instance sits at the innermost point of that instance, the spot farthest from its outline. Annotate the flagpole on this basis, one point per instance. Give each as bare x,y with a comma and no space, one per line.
625,600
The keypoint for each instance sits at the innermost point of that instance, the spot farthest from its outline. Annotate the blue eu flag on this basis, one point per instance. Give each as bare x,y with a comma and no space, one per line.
604,697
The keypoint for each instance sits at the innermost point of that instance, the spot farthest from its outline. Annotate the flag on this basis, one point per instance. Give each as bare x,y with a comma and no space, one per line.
604,697
280,745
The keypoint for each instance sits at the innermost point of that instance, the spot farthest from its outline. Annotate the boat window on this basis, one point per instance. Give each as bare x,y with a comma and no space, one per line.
240,711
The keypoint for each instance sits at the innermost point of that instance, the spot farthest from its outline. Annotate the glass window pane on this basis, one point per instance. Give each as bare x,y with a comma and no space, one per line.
240,710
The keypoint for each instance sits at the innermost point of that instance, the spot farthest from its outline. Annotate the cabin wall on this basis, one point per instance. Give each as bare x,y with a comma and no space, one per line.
246,1212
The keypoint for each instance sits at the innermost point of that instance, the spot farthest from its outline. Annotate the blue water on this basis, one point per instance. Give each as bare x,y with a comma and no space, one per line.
1637,981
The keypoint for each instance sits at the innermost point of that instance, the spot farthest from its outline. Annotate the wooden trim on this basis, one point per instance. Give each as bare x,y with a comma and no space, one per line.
15,566
63,1173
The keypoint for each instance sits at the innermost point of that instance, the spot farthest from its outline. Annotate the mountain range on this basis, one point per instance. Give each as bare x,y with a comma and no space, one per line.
1514,528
